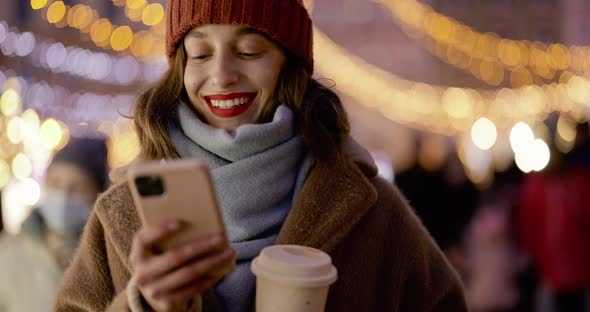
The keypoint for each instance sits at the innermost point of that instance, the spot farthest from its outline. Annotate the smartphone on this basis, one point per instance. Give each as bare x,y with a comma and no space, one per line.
178,190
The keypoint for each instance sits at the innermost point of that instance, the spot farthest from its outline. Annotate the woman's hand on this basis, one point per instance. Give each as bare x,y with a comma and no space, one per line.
169,280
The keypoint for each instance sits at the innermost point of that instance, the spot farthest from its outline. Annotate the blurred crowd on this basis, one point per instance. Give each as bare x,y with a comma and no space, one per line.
523,243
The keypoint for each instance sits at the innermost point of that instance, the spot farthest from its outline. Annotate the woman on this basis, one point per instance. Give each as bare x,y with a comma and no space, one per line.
239,94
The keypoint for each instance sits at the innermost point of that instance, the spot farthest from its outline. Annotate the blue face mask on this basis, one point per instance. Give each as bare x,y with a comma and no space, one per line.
65,213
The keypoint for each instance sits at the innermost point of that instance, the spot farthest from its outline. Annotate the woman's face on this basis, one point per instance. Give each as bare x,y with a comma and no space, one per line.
230,74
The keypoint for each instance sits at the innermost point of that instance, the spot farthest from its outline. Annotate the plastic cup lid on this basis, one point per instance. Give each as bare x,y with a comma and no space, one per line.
295,265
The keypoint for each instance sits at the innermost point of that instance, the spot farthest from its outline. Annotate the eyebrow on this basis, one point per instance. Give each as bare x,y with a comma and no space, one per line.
239,32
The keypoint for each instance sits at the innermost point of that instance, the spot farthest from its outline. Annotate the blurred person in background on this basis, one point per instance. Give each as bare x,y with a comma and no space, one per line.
495,266
445,200
32,262
554,226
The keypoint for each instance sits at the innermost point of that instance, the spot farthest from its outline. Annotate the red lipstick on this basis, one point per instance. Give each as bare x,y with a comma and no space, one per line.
234,110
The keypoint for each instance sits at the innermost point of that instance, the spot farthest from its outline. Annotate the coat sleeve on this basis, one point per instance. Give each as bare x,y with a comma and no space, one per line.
428,282
87,284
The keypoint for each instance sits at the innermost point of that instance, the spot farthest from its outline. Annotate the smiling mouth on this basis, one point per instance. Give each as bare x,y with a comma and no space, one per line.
229,105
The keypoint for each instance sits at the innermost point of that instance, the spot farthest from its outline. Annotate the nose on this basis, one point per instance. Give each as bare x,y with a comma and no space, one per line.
225,73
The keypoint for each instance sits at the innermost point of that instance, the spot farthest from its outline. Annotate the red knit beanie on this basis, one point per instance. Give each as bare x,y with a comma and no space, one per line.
285,21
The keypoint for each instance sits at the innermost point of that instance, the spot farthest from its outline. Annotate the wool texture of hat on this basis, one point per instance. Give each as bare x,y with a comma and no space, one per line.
285,21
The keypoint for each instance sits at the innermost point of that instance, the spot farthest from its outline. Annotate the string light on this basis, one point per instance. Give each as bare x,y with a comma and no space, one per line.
103,33
494,55
87,64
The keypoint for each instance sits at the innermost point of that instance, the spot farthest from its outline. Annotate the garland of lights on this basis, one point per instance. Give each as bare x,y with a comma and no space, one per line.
82,63
103,33
485,55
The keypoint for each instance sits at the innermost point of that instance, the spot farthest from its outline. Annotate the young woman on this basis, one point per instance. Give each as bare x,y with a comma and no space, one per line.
239,94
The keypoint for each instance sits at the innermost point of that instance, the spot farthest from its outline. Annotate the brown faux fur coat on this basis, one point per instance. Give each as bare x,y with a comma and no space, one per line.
386,260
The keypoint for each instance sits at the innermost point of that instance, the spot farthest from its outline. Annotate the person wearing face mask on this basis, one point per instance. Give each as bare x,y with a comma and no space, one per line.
32,262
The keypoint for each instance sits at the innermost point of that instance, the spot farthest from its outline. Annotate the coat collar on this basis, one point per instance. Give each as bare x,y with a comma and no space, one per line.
334,198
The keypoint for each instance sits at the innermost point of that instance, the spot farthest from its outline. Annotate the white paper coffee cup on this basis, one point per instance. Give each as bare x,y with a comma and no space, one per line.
291,278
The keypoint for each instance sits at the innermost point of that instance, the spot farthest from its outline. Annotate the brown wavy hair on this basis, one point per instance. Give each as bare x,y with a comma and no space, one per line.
320,116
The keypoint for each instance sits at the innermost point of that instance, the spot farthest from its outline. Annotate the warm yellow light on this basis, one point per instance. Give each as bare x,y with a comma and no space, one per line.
143,44
520,76
31,188
10,102
101,30
578,89
21,166
65,136
136,4
510,53
456,103
56,12
123,148
121,38
484,133
13,130
521,136
134,14
439,27
559,56
532,100
38,4
82,16
4,173
51,133
30,123
523,161
153,14
566,129
541,153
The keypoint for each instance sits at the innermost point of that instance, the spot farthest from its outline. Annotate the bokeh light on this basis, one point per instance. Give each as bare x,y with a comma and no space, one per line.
101,31
13,130
51,133
30,123
521,136
25,43
4,173
456,103
10,102
38,4
566,134
136,4
31,191
153,14
21,166
484,133
56,12
121,38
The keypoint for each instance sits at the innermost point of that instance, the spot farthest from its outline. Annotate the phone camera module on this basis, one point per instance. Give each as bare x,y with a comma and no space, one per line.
149,185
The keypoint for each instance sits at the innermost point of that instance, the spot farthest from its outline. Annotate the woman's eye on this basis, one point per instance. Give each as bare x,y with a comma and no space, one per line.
200,57
248,55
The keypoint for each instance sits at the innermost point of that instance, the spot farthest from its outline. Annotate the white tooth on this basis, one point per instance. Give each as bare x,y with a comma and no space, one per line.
222,104
243,100
228,104
236,102
215,103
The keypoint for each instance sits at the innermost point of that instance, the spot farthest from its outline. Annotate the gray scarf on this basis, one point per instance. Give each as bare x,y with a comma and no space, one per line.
257,172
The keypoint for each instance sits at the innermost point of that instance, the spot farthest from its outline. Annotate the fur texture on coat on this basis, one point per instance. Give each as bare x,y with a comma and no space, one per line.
386,260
